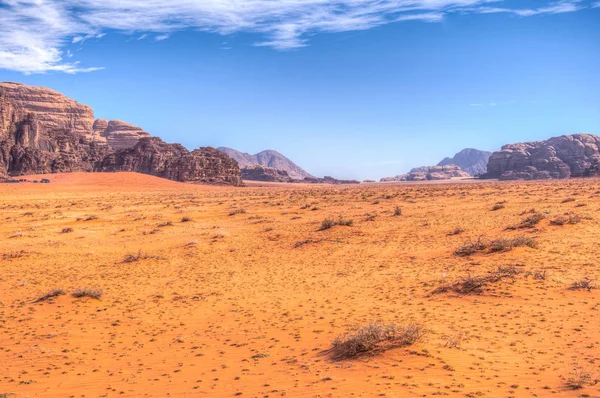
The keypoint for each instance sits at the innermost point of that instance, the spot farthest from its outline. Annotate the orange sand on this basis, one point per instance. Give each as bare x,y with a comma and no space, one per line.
227,305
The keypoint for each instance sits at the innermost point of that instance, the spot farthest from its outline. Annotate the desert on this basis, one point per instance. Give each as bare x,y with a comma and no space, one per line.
124,284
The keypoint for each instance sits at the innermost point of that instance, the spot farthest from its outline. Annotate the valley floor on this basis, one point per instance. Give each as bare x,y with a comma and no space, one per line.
222,292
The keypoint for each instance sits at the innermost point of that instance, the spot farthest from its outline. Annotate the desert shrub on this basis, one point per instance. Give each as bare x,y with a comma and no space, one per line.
580,378
165,224
91,293
90,218
51,294
497,206
471,284
375,337
540,275
237,211
471,247
562,220
583,284
567,200
67,230
397,211
330,223
186,219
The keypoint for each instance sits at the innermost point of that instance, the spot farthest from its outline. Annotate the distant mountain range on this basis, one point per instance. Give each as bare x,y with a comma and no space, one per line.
268,158
472,161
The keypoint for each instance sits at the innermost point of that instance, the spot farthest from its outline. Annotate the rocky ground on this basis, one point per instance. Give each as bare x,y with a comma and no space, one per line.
124,284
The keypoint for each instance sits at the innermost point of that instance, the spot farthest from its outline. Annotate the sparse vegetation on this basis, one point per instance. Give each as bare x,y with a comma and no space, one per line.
397,211
330,223
50,295
498,206
375,337
496,245
580,377
237,211
186,219
583,284
475,284
91,293
66,230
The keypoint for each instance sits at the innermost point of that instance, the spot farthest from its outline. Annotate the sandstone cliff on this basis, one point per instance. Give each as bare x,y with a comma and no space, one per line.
175,162
117,134
472,161
427,173
566,156
42,131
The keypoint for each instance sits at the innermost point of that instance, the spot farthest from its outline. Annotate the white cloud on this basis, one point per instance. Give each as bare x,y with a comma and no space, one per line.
34,34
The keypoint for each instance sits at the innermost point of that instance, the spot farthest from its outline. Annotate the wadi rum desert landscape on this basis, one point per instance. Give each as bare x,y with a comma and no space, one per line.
124,284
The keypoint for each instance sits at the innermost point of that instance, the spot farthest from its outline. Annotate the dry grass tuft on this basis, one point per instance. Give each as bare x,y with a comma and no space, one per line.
375,337
51,294
91,293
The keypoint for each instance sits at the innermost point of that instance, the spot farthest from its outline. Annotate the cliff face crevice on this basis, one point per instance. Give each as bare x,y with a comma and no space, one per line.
42,131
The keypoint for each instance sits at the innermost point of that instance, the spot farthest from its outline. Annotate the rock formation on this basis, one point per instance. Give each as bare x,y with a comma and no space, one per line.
117,134
42,131
427,173
326,180
566,156
267,158
151,155
472,161
263,173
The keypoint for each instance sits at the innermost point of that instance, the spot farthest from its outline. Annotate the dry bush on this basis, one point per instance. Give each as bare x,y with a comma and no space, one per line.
90,218
583,284
498,206
237,211
567,200
165,224
476,284
471,247
91,293
66,230
507,244
330,223
186,219
375,337
580,378
51,294
397,211
562,220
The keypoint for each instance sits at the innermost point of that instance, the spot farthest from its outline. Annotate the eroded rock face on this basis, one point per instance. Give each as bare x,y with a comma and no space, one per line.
42,131
263,173
430,173
560,157
153,156
51,108
472,161
118,134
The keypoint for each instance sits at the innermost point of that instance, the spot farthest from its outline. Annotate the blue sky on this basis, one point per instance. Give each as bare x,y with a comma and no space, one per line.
349,88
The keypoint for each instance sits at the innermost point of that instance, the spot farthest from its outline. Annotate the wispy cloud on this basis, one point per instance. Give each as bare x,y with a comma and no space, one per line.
34,34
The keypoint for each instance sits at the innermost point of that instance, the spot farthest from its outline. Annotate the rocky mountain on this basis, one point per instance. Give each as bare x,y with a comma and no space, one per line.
427,173
263,173
566,156
269,158
42,131
151,155
472,161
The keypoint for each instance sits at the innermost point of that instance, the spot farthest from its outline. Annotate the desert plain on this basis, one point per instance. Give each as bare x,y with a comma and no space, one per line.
223,292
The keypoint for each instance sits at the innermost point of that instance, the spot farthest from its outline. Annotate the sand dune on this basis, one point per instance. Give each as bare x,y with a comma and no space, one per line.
222,292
